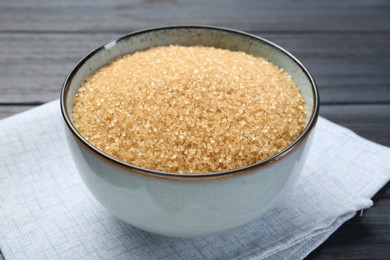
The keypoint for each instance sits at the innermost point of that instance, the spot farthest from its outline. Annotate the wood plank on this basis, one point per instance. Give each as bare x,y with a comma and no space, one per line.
368,228
369,121
6,111
362,237
124,15
383,193
349,68
33,66
351,251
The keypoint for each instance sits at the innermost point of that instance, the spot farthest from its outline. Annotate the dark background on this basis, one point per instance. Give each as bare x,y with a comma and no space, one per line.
344,44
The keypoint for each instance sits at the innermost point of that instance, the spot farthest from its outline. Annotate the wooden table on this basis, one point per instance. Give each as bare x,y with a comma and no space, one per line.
345,44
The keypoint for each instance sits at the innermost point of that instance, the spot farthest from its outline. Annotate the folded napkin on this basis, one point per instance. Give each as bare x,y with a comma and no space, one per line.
46,212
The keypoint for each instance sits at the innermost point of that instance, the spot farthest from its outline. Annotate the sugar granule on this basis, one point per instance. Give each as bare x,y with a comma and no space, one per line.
189,109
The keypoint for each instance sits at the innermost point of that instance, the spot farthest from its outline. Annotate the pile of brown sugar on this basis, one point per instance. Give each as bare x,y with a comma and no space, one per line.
189,109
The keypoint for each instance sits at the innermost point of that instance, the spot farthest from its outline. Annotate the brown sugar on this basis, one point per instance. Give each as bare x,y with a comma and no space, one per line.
189,109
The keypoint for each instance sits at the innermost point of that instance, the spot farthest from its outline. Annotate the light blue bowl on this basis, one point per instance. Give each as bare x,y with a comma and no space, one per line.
198,204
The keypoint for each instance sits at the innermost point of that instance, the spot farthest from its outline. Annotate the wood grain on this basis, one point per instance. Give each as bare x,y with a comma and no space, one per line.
123,15
369,121
362,237
348,68
384,193
9,110
364,224
344,44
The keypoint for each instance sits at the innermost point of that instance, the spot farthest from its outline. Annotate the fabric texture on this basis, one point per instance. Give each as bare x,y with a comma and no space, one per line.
46,212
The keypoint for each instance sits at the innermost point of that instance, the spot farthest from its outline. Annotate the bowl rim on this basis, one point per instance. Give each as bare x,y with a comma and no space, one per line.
193,176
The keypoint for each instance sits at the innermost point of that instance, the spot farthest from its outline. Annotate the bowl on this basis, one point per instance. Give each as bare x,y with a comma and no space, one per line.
188,205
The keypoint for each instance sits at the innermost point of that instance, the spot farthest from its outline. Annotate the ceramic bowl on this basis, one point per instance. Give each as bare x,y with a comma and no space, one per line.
193,205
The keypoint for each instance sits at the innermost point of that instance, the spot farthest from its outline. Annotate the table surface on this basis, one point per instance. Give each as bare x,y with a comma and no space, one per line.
344,44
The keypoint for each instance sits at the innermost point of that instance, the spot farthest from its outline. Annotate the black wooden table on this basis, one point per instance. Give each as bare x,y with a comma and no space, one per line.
345,44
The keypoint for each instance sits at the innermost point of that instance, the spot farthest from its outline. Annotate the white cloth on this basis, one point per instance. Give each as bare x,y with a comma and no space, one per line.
46,212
